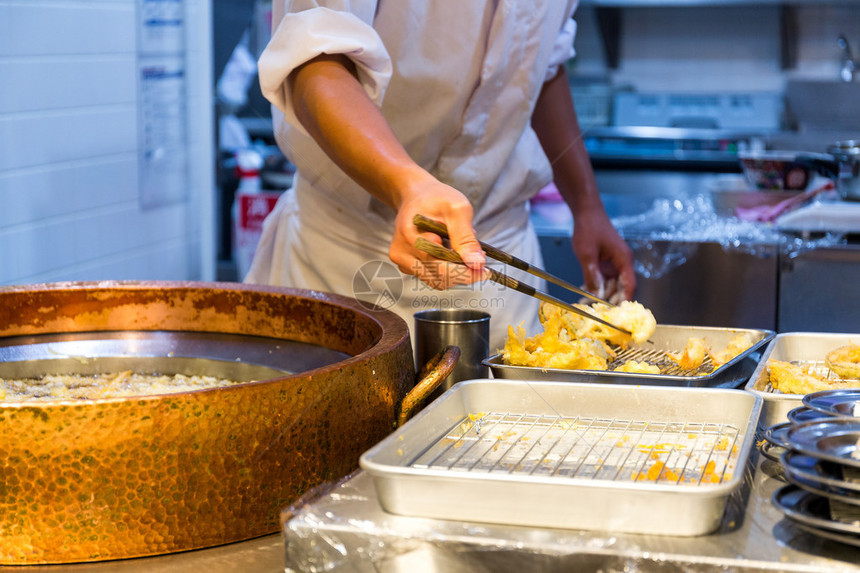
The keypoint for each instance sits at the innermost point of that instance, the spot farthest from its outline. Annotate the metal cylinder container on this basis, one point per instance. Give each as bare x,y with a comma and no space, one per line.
467,329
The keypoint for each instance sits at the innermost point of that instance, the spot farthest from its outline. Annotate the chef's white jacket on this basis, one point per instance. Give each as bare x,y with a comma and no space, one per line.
457,81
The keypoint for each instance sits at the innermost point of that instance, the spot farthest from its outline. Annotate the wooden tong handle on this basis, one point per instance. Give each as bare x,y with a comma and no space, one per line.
440,252
426,224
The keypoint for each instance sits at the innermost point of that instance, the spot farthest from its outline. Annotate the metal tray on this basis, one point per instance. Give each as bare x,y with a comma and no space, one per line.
805,348
826,476
833,440
666,338
812,510
803,414
840,403
552,454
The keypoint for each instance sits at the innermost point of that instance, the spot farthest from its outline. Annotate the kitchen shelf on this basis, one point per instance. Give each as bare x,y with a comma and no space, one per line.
610,21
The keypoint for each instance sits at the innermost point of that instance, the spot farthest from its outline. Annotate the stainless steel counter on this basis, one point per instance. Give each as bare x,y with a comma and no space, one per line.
261,555
699,265
347,530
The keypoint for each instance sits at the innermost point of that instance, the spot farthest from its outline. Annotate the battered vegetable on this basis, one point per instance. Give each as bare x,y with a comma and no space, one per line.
845,361
790,378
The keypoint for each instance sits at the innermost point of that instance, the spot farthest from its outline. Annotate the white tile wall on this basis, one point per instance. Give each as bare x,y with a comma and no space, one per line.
69,180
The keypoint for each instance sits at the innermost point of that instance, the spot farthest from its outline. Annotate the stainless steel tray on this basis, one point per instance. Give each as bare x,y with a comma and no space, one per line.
666,338
581,456
805,348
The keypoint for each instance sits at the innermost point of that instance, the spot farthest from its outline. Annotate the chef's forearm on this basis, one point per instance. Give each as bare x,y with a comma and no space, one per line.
333,107
555,123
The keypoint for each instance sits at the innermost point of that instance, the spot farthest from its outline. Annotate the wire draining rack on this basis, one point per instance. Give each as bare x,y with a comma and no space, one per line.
666,339
640,459
582,447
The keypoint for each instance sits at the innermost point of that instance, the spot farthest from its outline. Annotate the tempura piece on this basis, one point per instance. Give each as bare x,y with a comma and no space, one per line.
692,356
550,350
735,346
638,367
629,315
789,378
844,361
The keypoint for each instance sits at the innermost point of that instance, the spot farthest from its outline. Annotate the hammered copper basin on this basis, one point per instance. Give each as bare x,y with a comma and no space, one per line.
128,477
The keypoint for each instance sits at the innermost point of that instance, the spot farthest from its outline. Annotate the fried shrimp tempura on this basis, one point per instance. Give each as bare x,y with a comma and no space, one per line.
845,361
692,356
789,378
735,346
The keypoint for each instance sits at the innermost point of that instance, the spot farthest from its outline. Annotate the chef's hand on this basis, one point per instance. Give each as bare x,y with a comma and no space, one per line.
441,202
607,261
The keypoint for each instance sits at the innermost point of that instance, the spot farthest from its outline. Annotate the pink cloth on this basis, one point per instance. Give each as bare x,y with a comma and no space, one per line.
770,213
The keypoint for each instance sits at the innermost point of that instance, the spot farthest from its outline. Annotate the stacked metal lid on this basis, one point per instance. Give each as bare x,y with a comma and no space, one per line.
819,450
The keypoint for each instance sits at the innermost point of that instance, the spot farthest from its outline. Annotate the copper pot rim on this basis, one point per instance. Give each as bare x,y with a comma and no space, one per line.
391,330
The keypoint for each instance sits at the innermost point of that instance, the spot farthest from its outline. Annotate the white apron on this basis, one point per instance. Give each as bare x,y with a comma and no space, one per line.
458,93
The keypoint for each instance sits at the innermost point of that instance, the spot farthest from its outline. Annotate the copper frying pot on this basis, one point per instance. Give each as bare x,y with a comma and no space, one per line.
130,477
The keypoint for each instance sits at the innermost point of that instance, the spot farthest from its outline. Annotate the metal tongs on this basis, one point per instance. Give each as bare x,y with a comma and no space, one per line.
425,224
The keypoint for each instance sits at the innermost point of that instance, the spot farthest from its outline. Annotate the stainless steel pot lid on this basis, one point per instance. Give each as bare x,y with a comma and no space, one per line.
235,357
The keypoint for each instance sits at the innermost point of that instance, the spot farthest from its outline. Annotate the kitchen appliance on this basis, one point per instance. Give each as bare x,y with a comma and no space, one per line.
706,110
666,338
125,477
685,149
817,287
684,131
636,459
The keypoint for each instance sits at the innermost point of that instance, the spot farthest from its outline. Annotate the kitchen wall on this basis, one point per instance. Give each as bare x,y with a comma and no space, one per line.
718,47
71,203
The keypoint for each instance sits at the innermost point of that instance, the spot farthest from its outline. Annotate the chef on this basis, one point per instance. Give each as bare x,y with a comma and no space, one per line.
459,110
